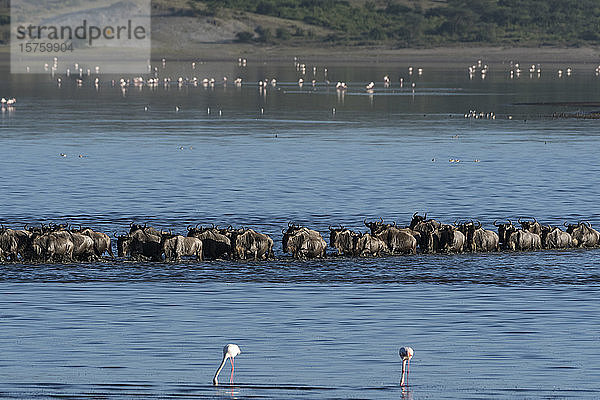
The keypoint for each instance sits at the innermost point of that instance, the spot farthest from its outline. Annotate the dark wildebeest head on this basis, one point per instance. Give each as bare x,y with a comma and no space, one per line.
505,230
416,219
134,227
378,226
291,231
531,226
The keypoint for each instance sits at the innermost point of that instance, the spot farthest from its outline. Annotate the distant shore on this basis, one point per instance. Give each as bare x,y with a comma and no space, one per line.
458,56
362,54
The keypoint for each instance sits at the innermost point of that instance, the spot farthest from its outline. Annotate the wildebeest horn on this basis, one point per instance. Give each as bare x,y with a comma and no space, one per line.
479,225
145,225
495,224
415,214
188,228
290,224
330,228
213,226
381,219
425,216
394,222
519,220
534,220
230,227
197,225
283,231
565,224
509,221
365,222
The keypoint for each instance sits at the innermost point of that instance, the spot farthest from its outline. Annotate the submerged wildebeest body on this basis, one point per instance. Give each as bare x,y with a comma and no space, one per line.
342,240
521,240
428,230
397,240
451,239
302,242
583,234
215,245
101,241
141,243
478,239
555,238
176,246
249,244
367,245
51,247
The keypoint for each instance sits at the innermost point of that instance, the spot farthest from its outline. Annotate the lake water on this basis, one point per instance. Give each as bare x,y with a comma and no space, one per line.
501,325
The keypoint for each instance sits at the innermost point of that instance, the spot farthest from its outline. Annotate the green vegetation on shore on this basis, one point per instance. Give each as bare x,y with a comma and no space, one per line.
423,23
391,23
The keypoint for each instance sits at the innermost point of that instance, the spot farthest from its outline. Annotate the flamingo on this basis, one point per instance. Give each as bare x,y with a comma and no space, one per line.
229,351
406,353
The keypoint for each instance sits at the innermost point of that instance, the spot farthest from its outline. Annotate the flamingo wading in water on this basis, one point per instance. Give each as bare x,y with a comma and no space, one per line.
406,353
229,351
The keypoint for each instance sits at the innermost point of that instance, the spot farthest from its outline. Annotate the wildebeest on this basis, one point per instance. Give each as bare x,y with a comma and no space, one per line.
397,240
342,240
101,241
451,239
141,243
504,232
214,244
83,246
302,242
8,245
13,243
366,245
531,226
428,231
249,244
555,238
176,246
583,234
51,247
517,239
478,239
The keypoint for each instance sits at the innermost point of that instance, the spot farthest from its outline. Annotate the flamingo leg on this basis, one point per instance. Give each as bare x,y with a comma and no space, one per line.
402,378
231,378
407,368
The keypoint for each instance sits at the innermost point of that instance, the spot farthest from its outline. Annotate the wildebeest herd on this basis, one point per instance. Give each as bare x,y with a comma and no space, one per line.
62,243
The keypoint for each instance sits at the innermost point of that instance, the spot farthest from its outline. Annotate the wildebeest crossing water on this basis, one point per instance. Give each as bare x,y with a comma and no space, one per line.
484,324
58,242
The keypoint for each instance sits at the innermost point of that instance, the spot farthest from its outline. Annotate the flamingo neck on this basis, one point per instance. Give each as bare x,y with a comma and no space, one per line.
215,380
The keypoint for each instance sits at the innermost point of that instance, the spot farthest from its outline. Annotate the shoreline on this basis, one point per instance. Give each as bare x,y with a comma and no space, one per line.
367,54
458,56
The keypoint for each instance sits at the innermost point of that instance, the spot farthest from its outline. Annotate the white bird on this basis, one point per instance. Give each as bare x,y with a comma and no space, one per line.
229,351
406,353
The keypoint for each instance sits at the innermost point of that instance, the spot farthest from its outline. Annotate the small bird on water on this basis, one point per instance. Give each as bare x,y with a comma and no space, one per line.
229,351
406,353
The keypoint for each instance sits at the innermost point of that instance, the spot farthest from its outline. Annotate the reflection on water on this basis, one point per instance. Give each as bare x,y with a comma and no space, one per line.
488,325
